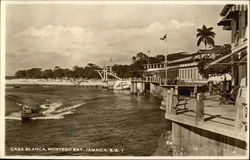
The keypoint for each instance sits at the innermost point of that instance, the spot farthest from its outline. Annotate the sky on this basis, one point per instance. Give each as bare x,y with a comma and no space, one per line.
65,35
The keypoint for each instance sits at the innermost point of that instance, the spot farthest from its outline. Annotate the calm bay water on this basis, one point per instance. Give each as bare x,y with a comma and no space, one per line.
83,121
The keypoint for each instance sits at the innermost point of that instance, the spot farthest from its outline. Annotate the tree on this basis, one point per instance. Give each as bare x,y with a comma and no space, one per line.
78,72
157,59
34,73
21,74
205,35
48,73
59,72
122,71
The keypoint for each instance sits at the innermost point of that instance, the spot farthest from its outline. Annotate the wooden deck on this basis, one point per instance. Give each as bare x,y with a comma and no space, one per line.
216,118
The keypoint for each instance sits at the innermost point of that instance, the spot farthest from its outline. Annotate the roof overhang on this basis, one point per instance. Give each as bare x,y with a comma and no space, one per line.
232,8
230,12
225,22
221,62
225,9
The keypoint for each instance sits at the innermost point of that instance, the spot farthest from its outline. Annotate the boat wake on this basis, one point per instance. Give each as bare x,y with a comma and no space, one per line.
54,111
14,116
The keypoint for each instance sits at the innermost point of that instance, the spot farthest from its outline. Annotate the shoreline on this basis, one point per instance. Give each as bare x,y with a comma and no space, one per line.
56,82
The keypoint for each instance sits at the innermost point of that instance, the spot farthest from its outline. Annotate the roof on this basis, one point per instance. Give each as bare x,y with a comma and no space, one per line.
225,9
216,49
229,12
225,22
190,58
177,55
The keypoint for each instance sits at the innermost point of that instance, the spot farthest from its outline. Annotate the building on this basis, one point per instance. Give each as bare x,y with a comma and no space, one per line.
183,67
235,20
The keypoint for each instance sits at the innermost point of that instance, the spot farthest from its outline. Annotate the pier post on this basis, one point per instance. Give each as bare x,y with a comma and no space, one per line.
199,108
143,87
164,100
140,88
152,88
172,101
195,90
132,88
210,89
240,117
176,90
135,88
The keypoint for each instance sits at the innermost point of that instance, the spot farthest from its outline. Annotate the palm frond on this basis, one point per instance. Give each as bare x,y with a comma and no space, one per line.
199,41
204,27
210,29
199,30
198,35
205,35
210,34
210,41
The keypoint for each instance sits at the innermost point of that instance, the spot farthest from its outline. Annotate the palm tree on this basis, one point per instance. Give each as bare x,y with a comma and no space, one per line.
205,35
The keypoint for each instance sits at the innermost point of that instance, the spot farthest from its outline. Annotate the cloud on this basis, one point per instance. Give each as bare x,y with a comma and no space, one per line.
53,30
67,46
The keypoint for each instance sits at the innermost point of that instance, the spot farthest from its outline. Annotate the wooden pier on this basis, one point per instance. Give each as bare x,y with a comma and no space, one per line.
200,125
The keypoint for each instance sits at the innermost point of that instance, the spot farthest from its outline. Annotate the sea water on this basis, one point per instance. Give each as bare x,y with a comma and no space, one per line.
82,122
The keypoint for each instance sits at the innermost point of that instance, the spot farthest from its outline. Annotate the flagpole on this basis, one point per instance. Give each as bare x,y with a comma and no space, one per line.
166,60
148,56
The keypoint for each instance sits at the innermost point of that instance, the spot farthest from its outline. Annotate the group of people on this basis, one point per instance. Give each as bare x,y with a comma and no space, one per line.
225,89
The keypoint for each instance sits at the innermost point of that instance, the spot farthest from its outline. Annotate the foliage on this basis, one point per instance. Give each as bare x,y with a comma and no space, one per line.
58,72
140,59
202,62
205,35
89,71
210,71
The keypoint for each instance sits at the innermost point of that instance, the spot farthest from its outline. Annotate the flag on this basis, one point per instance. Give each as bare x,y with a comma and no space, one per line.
164,37
110,59
148,51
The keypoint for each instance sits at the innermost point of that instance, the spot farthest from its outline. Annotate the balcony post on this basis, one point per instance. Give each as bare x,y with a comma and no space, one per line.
199,108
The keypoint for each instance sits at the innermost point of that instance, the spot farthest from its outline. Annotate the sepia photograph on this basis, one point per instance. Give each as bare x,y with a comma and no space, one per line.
124,79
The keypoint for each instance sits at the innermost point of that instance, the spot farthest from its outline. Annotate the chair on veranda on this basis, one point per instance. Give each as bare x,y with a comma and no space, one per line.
229,95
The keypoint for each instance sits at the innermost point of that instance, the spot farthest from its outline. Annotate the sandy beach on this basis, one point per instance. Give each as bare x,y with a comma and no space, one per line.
56,82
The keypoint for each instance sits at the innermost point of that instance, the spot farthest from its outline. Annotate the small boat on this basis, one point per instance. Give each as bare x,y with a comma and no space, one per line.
122,85
47,103
16,86
28,113
163,108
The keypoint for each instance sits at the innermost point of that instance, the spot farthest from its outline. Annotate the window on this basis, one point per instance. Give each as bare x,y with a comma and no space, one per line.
191,74
194,73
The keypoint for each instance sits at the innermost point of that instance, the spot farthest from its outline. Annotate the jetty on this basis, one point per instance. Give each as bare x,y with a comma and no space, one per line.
201,124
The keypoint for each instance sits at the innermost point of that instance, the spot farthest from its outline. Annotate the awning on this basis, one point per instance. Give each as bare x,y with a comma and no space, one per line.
239,7
222,61
225,22
231,12
235,9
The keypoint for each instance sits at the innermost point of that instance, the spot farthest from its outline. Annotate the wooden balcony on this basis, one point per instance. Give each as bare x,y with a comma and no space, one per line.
206,113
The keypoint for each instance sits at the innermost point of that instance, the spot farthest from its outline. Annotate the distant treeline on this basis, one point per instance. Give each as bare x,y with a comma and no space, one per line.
89,71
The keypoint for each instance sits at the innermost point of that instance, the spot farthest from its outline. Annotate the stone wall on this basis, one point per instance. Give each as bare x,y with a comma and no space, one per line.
192,141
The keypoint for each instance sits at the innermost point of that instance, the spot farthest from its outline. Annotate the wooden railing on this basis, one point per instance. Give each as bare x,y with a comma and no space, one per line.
147,79
164,81
171,101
